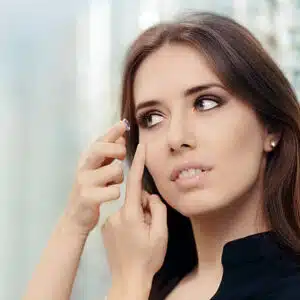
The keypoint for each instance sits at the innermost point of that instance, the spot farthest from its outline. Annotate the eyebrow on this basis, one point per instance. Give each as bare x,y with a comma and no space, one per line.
187,93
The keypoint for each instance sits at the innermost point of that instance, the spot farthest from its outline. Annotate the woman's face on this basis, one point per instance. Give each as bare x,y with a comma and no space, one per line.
193,119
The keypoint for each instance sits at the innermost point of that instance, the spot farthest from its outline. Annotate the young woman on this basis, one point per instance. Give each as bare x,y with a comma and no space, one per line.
212,198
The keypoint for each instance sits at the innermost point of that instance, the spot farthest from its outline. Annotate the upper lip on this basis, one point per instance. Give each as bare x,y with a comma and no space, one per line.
188,165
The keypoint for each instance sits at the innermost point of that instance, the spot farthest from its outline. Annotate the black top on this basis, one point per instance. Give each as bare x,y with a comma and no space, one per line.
257,267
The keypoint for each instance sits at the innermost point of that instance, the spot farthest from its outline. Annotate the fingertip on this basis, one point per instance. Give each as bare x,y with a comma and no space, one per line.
115,132
156,201
142,149
155,198
123,127
147,193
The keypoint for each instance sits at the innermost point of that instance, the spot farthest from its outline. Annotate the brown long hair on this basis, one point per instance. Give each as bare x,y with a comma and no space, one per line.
244,67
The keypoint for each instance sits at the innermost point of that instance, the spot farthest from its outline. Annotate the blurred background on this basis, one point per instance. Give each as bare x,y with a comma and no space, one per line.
60,71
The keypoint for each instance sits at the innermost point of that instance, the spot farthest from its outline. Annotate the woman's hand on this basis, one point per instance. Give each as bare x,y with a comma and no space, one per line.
136,236
97,179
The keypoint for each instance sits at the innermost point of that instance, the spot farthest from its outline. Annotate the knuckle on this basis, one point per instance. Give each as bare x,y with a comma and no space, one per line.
100,176
111,149
116,192
112,192
97,149
121,150
91,153
83,193
82,178
118,169
113,220
121,140
114,174
88,159
121,178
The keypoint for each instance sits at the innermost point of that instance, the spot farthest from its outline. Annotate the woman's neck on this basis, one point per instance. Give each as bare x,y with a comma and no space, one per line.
212,231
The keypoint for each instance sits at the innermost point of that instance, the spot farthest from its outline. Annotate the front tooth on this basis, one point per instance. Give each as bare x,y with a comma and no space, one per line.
189,173
192,172
184,173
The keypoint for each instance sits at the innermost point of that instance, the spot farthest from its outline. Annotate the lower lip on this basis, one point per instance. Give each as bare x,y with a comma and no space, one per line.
191,182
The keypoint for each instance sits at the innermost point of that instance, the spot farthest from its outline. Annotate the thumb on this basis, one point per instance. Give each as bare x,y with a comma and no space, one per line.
158,211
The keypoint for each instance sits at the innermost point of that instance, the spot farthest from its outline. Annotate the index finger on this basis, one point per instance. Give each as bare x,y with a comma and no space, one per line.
116,131
133,197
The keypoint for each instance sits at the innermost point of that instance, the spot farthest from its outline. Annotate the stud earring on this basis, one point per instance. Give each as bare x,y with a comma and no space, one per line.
273,144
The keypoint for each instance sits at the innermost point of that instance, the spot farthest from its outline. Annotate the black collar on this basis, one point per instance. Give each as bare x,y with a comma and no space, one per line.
264,245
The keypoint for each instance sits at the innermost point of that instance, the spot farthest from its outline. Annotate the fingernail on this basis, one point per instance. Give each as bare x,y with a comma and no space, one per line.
127,124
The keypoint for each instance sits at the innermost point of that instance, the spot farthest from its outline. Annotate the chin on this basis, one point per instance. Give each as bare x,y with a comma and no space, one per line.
194,210
199,203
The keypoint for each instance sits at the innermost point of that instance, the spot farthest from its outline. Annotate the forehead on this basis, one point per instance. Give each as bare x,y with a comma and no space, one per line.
172,68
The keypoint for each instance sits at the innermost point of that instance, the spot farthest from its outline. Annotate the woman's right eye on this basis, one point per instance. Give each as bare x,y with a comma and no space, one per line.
148,120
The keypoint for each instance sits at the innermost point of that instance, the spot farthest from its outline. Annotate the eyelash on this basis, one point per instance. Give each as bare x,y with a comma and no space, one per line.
142,119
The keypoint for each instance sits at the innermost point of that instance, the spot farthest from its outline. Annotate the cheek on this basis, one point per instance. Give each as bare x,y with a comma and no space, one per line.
236,131
239,152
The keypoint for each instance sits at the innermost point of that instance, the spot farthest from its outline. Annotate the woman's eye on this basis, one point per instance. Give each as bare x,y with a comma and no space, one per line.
206,103
148,120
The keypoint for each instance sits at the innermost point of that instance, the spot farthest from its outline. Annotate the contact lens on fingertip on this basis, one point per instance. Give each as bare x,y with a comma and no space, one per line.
127,124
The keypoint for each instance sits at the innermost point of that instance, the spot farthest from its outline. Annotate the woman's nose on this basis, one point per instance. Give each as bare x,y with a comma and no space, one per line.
180,134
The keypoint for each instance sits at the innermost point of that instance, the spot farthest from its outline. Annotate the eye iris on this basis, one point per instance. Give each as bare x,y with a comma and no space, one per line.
150,117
